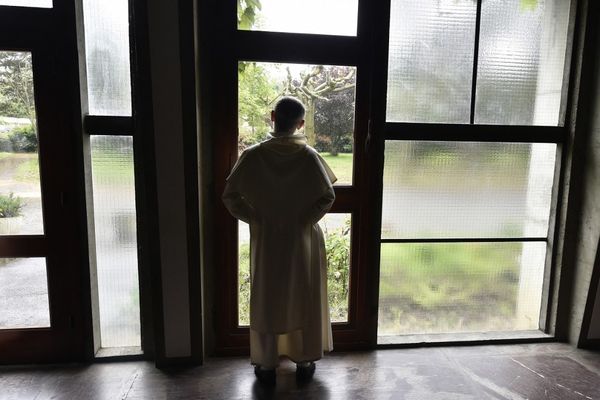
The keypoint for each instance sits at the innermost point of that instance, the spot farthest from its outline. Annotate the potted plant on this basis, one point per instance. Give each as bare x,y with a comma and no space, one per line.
11,218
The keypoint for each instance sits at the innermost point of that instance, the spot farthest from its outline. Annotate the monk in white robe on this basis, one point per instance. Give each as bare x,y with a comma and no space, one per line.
282,188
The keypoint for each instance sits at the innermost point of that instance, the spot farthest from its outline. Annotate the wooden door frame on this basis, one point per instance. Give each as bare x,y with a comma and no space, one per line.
50,35
354,51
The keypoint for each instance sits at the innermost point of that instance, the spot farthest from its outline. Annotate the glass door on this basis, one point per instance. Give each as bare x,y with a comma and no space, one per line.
283,49
40,282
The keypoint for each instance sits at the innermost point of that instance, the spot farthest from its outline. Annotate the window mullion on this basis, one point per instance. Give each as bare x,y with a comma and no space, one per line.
475,62
108,125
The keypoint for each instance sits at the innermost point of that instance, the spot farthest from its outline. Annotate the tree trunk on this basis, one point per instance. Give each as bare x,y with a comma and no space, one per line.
309,123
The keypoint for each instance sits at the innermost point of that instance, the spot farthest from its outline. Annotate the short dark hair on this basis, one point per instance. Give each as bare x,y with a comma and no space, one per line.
288,112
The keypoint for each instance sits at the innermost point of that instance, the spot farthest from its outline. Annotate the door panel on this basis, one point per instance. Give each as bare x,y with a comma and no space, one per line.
40,284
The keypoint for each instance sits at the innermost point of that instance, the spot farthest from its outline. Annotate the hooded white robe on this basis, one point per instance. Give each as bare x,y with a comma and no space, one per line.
282,188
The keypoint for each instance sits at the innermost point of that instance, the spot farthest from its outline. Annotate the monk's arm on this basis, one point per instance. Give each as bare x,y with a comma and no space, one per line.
321,206
237,204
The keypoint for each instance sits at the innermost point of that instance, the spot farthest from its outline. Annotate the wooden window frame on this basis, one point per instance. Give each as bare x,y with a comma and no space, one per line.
368,51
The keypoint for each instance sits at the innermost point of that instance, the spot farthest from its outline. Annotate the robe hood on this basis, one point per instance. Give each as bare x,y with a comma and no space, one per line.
286,144
291,144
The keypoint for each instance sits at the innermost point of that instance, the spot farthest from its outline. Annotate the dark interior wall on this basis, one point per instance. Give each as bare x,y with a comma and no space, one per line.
583,207
165,67
594,331
589,232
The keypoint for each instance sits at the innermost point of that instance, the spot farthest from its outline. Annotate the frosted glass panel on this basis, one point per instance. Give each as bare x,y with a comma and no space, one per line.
20,190
331,17
107,56
116,240
23,293
27,3
466,189
328,94
430,66
521,61
337,230
459,287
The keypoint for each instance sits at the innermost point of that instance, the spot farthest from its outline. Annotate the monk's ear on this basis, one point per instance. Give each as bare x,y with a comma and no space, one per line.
301,124
273,115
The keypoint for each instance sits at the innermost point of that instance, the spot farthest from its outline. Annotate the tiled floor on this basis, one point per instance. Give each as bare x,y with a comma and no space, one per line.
533,371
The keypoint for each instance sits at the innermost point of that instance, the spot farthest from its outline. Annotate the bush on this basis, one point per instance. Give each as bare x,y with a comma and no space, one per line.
337,245
10,206
5,144
23,139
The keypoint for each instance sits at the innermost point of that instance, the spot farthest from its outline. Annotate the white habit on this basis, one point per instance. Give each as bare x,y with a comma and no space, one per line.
282,188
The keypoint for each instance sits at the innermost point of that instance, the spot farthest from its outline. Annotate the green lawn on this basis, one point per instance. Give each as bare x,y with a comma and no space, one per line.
341,166
106,167
440,287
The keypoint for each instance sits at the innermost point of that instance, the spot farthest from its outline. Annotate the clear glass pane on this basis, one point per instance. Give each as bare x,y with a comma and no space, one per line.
23,293
116,240
27,3
430,65
337,230
521,61
107,56
327,92
466,189
331,17
430,288
20,190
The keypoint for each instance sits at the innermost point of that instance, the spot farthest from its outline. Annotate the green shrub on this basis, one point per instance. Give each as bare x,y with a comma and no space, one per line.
23,139
10,206
5,144
337,244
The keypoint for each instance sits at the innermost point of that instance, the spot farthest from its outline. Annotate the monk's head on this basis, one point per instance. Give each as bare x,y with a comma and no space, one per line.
288,116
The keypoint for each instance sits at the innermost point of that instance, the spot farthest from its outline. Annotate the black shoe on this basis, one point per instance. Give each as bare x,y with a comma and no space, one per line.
305,373
265,376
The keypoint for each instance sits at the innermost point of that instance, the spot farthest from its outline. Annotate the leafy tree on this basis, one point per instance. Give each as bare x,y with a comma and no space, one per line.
318,84
246,13
257,92
334,123
315,87
16,85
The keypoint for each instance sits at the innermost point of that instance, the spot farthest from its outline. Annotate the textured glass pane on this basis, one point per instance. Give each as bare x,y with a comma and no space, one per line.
23,293
521,61
116,240
20,191
331,17
430,66
27,3
327,92
107,56
466,189
337,230
460,287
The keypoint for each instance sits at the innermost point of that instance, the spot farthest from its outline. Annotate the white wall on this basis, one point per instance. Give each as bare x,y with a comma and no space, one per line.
163,29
